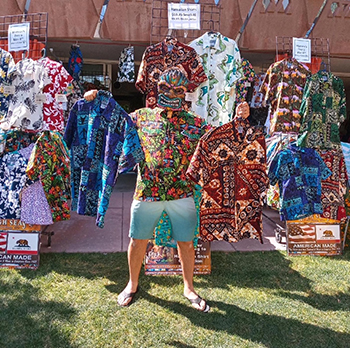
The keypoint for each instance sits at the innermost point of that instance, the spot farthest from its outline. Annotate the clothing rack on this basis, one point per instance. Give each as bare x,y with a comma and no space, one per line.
320,51
38,26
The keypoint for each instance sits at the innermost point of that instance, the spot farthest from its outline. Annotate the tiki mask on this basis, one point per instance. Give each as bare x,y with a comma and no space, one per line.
172,87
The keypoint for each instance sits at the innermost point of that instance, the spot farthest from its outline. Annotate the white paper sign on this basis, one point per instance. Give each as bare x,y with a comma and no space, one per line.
184,16
40,98
18,37
302,50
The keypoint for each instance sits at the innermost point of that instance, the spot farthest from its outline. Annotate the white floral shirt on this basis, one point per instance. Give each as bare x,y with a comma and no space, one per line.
220,58
25,110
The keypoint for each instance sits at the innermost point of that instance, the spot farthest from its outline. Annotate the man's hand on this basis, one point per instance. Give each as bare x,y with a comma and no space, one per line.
242,110
90,95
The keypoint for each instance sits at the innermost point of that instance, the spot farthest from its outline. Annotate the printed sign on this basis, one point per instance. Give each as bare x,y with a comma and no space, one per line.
18,37
17,225
160,260
183,16
313,239
19,250
302,50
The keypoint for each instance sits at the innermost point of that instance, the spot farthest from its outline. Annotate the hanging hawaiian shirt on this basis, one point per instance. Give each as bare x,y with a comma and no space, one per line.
323,109
299,172
49,162
16,139
245,82
73,93
168,142
283,88
258,97
25,108
75,62
220,57
161,56
103,141
35,208
334,187
230,165
13,179
346,152
126,71
7,63
53,112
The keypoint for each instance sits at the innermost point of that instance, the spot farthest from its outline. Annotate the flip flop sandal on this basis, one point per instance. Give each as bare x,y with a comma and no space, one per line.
124,296
197,301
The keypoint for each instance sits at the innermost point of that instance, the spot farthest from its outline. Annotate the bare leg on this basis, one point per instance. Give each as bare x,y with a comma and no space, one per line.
136,253
187,254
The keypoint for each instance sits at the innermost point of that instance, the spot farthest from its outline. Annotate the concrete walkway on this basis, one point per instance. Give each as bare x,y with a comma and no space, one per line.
80,234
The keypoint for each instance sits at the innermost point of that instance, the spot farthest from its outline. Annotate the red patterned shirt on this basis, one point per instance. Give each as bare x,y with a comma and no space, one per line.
53,112
231,168
164,55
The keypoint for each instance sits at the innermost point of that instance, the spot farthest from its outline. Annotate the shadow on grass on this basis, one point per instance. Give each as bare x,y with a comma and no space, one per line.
251,270
178,344
28,321
271,330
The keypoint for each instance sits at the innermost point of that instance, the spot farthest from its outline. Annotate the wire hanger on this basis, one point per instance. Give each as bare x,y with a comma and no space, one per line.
211,26
53,53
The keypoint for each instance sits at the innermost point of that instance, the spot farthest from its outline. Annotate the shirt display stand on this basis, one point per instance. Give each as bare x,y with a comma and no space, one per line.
38,30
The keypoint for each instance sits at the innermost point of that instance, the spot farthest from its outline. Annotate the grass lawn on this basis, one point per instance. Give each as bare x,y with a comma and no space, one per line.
258,299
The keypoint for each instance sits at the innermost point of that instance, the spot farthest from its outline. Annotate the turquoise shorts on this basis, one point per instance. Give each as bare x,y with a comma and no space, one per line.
144,218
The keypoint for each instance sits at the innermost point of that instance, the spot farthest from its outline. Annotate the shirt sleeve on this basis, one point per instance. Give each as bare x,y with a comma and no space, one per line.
142,82
71,127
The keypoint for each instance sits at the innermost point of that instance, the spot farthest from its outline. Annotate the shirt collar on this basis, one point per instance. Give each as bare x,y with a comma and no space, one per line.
207,37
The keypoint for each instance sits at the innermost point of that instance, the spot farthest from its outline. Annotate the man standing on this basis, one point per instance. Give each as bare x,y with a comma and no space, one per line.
168,136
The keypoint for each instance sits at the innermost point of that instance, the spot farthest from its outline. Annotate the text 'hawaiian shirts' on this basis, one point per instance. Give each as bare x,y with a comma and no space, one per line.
164,55
103,141
220,57
299,172
7,63
168,144
323,109
52,109
283,88
231,168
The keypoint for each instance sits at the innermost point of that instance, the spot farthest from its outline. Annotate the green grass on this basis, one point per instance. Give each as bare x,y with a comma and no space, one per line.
258,299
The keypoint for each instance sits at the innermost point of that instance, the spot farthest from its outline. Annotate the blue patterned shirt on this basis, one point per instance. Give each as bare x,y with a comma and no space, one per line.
103,142
298,172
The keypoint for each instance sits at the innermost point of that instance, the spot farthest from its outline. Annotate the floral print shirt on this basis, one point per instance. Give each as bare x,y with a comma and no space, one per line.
35,208
103,141
323,109
220,57
13,179
230,165
49,162
283,88
164,55
25,111
52,109
245,82
168,142
126,72
7,63
298,172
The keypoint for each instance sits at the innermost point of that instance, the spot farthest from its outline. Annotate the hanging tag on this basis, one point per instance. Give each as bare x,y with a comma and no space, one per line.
232,92
8,89
191,97
247,84
61,98
240,129
40,98
64,106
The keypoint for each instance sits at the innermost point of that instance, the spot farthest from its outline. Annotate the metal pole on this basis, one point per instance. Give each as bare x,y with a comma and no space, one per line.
316,19
238,37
